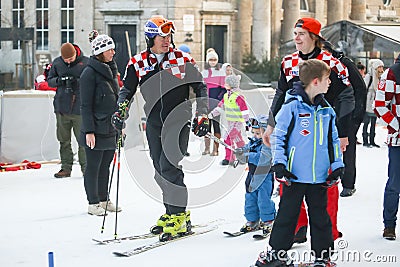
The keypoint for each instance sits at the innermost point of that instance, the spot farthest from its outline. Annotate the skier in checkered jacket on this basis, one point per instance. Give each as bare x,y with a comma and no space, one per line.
165,75
386,107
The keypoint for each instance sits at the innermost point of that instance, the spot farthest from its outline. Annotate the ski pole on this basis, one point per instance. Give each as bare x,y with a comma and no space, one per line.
216,139
109,188
119,145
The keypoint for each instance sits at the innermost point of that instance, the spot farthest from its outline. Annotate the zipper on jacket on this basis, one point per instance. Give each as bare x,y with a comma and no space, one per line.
291,157
314,146
321,130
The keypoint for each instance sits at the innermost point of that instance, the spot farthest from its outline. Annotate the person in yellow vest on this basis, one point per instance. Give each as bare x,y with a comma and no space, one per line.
236,113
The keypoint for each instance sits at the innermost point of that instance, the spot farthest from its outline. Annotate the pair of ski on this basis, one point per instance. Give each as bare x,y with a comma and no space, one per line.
255,236
199,229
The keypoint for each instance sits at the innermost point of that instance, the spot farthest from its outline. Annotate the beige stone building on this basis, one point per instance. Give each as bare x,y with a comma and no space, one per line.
232,27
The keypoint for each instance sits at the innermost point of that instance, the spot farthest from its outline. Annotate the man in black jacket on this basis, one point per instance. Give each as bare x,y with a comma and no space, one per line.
64,74
165,76
360,95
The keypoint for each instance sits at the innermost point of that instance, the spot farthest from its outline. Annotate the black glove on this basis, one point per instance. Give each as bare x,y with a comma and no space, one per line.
240,156
118,118
282,175
334,177
202,127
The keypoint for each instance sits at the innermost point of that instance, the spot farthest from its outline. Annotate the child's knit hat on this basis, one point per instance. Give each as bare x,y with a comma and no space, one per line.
233,81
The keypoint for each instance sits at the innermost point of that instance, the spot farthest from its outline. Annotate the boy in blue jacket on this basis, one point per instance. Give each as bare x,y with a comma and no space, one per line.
259,182
305,145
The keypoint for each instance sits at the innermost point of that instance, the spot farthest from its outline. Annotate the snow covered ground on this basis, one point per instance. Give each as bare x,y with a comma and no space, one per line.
42,214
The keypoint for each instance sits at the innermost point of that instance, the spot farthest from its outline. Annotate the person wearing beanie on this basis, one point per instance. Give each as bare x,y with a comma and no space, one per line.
185,48
371,80
166,75
214,77
64,75
386,105
259,208
237,114
99,81
340,95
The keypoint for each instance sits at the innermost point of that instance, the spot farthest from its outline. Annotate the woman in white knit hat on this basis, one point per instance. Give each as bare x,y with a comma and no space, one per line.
214,78
99,94
371,80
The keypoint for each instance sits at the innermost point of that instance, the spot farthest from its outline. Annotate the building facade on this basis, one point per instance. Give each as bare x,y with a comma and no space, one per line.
233,27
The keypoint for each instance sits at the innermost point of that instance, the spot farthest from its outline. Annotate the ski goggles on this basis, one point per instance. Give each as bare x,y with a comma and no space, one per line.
163,30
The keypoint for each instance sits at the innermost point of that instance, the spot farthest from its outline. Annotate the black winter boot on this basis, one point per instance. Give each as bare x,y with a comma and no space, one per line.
372,141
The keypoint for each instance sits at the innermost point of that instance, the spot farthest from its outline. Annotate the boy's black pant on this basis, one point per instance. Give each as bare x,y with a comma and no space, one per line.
289,208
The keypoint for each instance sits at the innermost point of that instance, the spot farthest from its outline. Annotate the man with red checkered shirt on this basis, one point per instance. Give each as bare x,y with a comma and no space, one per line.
165,75
340,96
387,106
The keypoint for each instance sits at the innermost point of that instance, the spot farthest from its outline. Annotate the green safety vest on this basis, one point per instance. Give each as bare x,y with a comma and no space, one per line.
232,110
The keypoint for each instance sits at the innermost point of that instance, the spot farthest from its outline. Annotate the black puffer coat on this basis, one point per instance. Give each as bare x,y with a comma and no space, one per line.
99,94
67,99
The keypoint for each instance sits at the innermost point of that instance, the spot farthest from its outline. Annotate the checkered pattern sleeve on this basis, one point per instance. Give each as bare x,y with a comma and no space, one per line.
387,101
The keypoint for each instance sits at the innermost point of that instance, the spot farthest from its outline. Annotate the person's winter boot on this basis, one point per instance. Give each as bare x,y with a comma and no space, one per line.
96,209
207,146
110,206
301,235
62,174
347,192
176,225
250,226
365,140
372,141
216,146
389,233
161,222
225,162
272,259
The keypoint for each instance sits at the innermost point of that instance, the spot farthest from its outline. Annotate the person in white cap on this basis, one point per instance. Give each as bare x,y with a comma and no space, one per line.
214,77
371,80
98,137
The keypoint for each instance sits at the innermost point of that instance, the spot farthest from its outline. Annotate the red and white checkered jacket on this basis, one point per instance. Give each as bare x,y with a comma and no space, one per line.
290,66
173,62
387,105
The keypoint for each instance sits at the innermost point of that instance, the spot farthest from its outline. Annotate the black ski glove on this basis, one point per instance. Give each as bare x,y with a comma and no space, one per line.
334,177
201,127
282,175
118,118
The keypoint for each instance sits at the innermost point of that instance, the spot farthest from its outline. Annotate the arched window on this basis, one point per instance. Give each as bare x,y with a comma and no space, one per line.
304,5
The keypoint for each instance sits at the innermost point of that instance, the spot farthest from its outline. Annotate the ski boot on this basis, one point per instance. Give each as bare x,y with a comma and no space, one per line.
161,222
188,221
266,227
272,259
250,227
175,227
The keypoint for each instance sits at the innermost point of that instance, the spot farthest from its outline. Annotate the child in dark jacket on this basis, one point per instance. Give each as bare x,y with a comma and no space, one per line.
305,146
259,182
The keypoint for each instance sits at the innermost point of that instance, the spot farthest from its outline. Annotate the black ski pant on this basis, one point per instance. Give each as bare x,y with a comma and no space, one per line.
349,157
166,144
97,174
289,208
